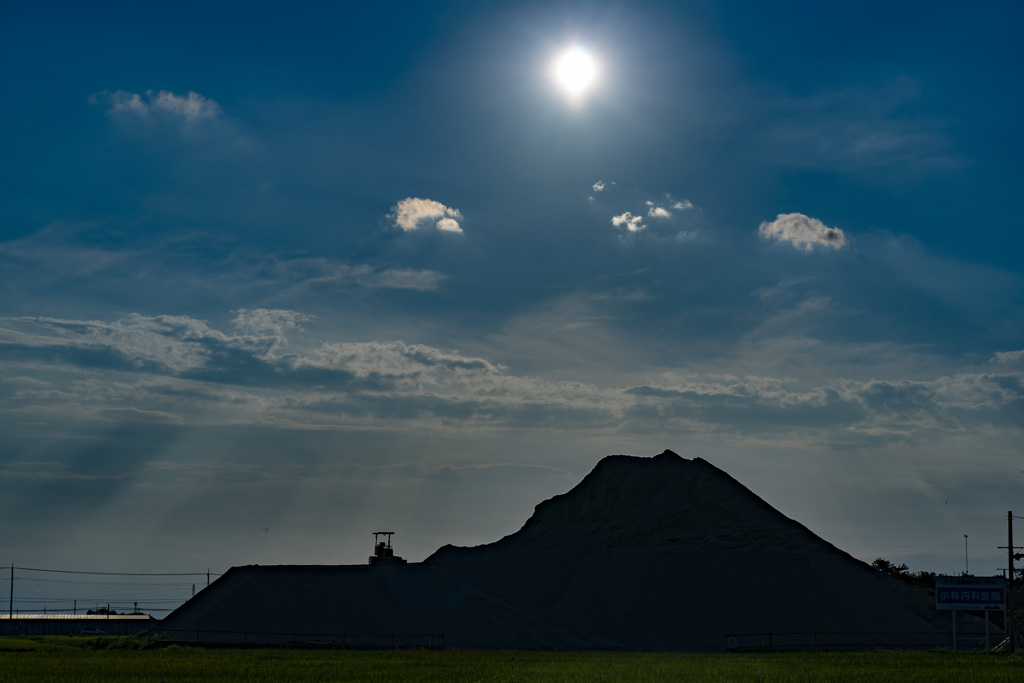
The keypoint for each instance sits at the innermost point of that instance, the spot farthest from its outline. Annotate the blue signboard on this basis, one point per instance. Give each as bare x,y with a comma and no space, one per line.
970,592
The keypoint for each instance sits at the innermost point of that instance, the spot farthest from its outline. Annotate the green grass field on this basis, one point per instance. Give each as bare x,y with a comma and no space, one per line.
41,659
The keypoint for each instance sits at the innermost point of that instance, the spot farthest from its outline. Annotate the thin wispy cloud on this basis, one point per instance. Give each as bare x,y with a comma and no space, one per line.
858,128
1008,356
271,362
189,107
61,255
196,145
269,324
903,409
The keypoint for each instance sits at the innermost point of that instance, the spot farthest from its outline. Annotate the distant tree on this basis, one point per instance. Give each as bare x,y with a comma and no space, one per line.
901,571
922,579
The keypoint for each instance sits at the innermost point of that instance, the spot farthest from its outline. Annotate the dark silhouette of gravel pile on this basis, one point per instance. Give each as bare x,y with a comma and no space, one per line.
656,553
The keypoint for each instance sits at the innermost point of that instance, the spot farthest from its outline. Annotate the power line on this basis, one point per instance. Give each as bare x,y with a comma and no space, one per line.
120,588
37,584
69,571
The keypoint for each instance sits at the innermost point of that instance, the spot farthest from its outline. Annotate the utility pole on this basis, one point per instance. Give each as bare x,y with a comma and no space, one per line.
1009,583
1011,556
967,561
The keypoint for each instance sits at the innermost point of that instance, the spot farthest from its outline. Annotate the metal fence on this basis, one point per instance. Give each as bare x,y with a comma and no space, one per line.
362,641
67,624
820,640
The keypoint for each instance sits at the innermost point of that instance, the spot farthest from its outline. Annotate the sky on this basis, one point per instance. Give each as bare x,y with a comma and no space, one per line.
274,277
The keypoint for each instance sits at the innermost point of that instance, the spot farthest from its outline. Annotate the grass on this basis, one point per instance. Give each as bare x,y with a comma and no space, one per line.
62,658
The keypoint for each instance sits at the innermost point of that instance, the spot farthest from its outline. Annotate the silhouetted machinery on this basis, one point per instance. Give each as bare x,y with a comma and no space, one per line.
382,551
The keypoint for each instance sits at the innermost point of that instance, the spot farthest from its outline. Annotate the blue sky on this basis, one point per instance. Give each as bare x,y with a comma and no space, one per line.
275,277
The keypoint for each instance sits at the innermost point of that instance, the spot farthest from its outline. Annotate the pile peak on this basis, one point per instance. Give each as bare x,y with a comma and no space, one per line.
665,502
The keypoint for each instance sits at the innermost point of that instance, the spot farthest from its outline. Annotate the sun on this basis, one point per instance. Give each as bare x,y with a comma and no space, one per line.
575,70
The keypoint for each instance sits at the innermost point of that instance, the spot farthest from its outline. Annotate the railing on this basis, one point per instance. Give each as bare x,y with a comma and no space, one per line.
48,625
374,641
822,640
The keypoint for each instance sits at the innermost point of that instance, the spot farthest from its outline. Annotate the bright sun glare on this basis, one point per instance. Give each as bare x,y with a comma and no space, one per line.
575,70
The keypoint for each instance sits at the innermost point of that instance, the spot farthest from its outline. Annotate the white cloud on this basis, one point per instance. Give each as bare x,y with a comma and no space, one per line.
190,107
599,186
657,211
1008,356
631,222
448,225
667,224
803,232
411,212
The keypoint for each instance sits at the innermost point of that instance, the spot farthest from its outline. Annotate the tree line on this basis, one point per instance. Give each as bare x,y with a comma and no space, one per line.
921,579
